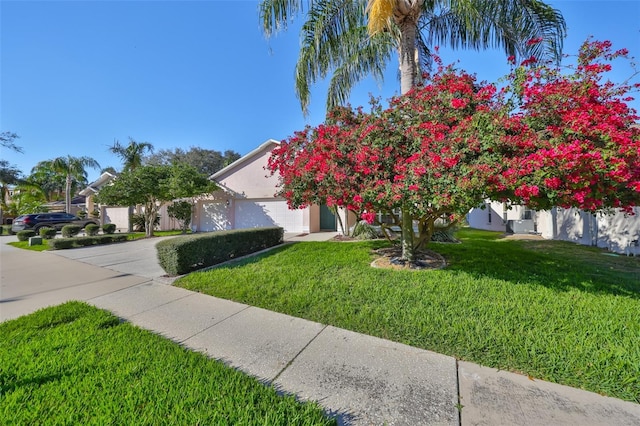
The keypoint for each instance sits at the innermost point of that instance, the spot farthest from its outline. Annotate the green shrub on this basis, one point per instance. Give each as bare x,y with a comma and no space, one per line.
26,234
48,233
67,243
92,229
61,243
180,255
445,235
69,231
365,231
139,225
82,214
109,228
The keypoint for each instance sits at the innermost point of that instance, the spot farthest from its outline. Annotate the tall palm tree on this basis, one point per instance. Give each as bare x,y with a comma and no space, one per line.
132,154
352,39
72,168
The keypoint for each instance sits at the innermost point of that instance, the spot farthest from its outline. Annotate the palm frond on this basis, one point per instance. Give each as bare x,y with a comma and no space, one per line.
506,24
364,60
275,14
334,34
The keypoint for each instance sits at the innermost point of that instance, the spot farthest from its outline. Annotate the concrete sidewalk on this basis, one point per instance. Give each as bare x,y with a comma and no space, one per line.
362,380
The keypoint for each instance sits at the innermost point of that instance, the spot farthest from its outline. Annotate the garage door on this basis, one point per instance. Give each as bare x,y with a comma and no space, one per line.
117,215
214,216
260,213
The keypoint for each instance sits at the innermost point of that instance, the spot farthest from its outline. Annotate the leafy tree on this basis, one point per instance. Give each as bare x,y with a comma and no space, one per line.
181,211
352,39
576,139
131,155
27,198
206,161
152,186
422,156
7,140
74,171
109,169
9,175
443,148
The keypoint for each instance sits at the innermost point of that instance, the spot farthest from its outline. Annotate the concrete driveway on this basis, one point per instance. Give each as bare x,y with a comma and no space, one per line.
137,257
32,280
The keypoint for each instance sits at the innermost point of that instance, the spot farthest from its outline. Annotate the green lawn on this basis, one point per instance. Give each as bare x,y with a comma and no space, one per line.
75,364
553,310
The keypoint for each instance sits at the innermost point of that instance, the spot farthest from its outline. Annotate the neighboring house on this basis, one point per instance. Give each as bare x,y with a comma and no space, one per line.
246,199
94,187
118,214
616,232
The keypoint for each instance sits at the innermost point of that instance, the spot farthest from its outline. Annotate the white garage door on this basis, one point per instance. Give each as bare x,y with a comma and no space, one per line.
117,215
214,216
260,213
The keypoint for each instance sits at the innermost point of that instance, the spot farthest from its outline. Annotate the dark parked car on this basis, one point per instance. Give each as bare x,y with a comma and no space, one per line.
50,220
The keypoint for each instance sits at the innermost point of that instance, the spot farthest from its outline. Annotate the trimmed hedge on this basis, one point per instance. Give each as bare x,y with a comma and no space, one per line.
92,229
26,234
48,233
180,255
71,230
109,228
67,243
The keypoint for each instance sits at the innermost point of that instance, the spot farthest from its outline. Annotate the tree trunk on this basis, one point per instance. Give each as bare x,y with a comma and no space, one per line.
408,250
408,77
67,194
407,53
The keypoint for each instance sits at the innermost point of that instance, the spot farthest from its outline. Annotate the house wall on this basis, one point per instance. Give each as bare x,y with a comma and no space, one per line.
251,179
615,232
491,218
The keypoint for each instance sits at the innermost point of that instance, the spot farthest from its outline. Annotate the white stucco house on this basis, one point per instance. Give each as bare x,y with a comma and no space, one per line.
246,199
616,232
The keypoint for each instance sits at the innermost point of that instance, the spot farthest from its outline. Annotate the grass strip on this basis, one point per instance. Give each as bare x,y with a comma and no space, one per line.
75,364
553,310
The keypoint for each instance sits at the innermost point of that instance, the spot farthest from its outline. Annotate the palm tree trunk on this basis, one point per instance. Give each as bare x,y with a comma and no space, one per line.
67,194
408,78
408,26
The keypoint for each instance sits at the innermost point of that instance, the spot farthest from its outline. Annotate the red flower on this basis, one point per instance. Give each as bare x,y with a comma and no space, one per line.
368,217
458,103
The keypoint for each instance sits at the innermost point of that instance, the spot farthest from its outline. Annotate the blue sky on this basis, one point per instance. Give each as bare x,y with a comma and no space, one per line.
77,75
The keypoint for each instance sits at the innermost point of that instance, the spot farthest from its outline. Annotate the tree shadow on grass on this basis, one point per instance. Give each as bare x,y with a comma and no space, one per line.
555,264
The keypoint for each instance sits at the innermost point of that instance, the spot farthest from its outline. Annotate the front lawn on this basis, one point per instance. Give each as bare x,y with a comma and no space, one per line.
75,364
553,310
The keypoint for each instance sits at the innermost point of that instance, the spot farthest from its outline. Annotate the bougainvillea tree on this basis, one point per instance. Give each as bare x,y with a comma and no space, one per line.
421,157
444,147
574,141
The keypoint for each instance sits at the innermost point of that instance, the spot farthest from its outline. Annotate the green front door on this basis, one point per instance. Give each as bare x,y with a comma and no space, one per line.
327,219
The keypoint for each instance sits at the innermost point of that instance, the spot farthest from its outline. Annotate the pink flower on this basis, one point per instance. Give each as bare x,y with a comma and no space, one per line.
413,187
458,103
368,217
357,199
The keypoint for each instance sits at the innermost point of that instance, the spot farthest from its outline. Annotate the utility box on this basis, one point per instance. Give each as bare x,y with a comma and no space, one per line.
523,226
35,241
